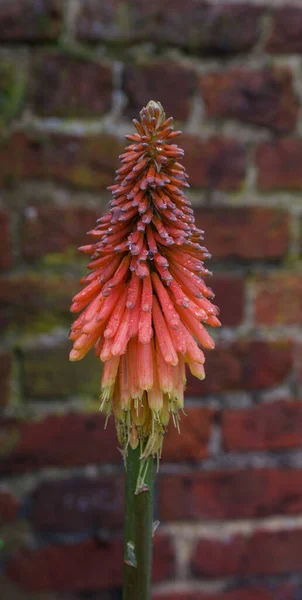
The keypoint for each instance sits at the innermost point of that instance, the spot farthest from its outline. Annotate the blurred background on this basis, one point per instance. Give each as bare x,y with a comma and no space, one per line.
73,74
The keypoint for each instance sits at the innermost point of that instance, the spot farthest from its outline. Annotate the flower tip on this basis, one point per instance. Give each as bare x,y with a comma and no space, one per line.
153,110
75,355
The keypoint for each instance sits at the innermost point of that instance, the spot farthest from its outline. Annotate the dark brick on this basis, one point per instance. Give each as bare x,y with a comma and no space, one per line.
248,493
273,426
197,26
170,83
192,444
9,507
229,296
68,86
264,98
278,299
244,365
35,302
47,228
214,163
286,35
87,162
48,373
30,20
262,553
78,504
5,373
279,164
6,256
58,440
249,233
82,566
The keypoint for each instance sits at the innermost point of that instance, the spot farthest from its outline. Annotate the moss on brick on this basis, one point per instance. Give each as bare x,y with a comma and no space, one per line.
12,89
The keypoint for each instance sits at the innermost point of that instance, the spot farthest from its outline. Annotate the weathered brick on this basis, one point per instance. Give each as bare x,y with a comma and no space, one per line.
192,444
5,373
35,302
58,440
273,426
78,504
279,164
243,365
47,228
159,80
6,256
230,494
249,233
30,20
229,296
48,373
262,553
77,566
214,163
197,26
12,86
286,35
87,162
264,98
283,592
68,86
278,299
9,507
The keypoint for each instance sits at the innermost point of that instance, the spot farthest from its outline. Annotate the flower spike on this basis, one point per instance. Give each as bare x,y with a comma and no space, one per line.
144,300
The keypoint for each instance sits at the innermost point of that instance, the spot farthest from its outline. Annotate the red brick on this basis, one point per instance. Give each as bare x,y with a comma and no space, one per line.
65,441
5,373
249,233
264,98
246,593
214,163
78,504
286,35
230,494
192,444
6,256
69,86
82,566
50,228
298,361
46,299
30,20
273,426
9,506
87,162
171,83
262,553
243,365
229,296
278,299
279,164
197,26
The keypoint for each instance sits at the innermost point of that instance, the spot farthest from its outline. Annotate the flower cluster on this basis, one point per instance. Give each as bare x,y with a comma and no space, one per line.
145,300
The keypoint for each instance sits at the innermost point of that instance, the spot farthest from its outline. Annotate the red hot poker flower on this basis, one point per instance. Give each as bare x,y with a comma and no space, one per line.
145,300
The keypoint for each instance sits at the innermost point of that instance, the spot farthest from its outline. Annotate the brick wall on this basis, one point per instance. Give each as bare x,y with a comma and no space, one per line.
229,491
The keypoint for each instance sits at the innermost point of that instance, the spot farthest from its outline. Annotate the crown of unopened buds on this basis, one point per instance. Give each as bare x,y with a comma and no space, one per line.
144,301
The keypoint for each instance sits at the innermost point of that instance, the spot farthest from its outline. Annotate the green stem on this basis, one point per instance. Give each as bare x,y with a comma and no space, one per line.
138,527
